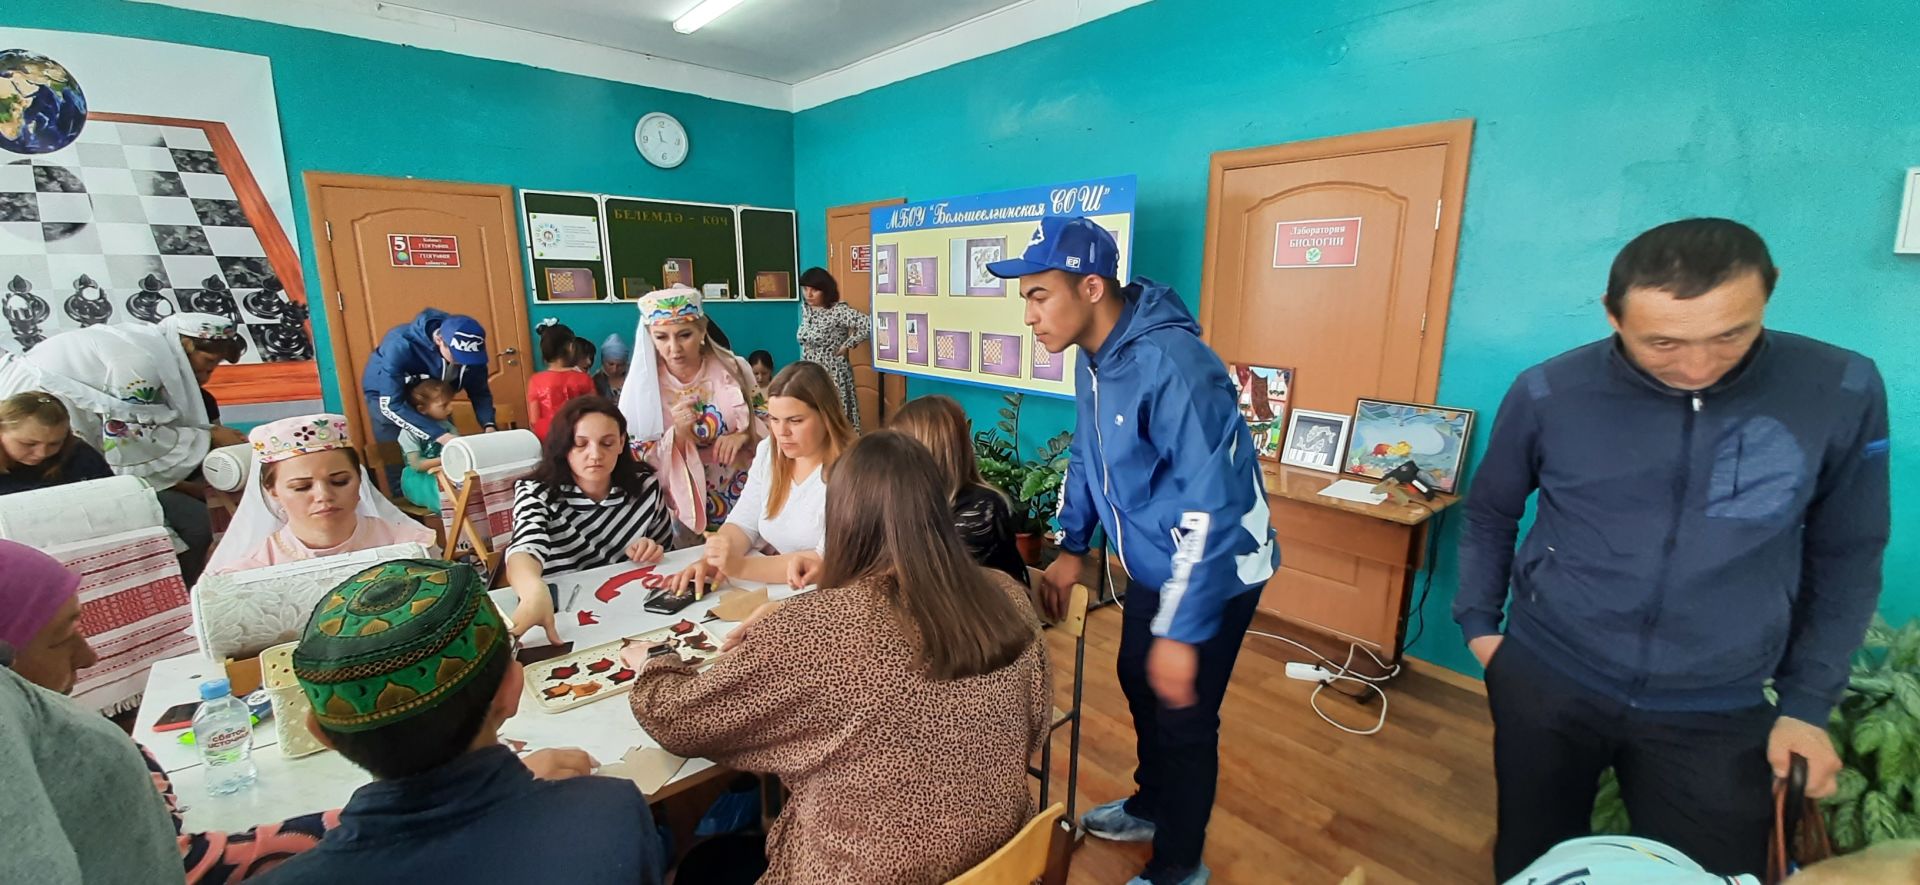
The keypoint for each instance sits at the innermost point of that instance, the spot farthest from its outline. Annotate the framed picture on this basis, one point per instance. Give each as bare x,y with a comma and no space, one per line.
886,270
774,285
676,272
571,284
923,276
1263,402
1387,434
1315,440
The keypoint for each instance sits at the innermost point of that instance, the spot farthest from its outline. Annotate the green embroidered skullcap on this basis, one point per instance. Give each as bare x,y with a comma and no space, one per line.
395,641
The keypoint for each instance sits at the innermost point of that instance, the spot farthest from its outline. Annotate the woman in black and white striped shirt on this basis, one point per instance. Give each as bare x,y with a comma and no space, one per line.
588,504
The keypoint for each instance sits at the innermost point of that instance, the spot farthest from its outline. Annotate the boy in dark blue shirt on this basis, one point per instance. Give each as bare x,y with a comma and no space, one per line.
410,673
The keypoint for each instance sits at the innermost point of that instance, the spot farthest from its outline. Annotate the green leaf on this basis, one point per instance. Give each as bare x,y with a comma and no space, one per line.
1880,635
1906,690
1843,825
1876,685
1880,817
1873,732
1609,811
1853,785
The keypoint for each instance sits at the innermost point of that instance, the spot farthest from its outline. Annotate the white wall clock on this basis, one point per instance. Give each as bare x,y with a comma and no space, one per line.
662,140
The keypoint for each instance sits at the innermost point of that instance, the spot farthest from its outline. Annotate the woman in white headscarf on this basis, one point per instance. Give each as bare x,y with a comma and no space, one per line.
133,392
308,496
692,409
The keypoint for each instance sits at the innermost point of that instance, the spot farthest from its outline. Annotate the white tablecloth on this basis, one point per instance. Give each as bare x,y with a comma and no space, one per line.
290,787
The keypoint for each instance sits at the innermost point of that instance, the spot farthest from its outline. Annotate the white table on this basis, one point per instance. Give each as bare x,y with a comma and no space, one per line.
291,787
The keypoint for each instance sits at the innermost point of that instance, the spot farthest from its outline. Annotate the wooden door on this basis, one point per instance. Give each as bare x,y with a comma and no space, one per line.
355,218
1335,258
847,227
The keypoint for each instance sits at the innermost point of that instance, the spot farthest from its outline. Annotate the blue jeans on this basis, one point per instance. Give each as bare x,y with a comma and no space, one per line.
1179,750
384,430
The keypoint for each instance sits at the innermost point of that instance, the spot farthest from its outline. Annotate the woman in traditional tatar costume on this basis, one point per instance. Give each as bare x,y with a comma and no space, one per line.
310,497
693,410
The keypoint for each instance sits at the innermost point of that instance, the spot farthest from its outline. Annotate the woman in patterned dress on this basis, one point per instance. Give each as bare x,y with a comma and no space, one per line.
899,702
829,330
693,410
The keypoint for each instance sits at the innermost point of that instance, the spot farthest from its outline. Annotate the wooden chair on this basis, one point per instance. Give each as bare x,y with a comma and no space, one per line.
1042,851
1074,621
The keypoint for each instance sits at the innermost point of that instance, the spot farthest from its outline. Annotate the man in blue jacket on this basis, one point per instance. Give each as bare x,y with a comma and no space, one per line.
1711,513
1164,463
450,347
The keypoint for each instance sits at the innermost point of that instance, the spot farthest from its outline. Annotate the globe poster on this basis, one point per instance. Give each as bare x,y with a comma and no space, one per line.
126,197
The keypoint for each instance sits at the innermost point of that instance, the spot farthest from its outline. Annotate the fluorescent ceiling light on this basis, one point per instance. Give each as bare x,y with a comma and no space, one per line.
703,14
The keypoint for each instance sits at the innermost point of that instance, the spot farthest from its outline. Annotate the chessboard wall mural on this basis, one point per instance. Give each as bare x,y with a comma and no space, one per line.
139,179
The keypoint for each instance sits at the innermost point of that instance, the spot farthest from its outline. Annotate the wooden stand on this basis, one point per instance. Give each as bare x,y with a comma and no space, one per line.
1347,568
482,542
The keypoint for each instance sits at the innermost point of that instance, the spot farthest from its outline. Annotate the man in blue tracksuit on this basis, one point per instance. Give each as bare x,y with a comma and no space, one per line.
1711,513
450,347
1163,461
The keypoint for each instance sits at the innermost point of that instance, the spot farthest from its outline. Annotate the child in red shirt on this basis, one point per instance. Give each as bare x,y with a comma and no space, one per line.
562,381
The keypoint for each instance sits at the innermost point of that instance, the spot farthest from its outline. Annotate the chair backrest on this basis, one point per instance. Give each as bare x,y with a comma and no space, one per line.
1074,621
1029,856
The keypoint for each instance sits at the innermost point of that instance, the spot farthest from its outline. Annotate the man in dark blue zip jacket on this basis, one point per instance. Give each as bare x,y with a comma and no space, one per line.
1164,463
1711,513
450,347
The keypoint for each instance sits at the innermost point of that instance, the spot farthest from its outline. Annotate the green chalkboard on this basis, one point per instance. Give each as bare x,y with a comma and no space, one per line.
653,243
581,277
768,254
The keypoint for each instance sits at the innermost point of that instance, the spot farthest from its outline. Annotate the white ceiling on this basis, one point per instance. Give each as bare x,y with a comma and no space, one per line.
786,41
783,54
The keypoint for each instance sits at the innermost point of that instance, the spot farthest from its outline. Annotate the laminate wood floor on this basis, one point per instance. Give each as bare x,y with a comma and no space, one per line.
1300,801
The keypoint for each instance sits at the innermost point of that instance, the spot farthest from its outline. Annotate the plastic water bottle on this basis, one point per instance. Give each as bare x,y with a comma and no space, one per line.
223,730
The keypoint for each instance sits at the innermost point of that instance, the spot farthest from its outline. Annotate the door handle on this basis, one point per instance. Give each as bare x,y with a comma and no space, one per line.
510,351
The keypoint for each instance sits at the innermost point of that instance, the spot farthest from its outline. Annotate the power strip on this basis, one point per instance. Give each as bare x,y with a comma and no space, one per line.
1306,672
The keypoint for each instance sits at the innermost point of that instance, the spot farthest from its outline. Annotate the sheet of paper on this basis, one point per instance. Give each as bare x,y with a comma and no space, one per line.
650,767
735,605
1354,490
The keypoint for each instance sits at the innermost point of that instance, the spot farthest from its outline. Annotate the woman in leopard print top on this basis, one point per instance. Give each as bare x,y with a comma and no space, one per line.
900,702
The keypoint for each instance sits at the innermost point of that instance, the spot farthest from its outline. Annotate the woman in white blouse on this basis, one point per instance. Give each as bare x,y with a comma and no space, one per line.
782,511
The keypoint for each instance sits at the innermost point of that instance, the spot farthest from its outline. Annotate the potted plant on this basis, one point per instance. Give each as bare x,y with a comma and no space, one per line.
1032,485
1875,728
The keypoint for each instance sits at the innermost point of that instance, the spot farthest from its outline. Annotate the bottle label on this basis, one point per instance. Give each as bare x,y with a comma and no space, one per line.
225,741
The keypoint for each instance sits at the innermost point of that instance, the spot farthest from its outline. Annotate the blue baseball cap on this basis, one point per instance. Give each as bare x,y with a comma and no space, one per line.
465,338
1070,243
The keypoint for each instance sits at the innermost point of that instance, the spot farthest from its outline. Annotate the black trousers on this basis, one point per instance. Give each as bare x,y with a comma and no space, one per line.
1179,750
1699,782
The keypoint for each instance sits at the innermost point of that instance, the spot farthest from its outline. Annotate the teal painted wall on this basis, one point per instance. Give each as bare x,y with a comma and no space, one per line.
491,122
1597,119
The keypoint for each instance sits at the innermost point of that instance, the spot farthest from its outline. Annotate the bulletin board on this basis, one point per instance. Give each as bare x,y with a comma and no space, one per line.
938,314
769,254
566,247
652,244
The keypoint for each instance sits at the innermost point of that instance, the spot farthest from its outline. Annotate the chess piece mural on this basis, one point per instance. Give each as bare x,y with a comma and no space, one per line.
25,312
215,299
149,304
88,306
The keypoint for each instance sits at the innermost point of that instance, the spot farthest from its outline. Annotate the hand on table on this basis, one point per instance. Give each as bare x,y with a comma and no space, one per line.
728,447
1792,736
739,634
559,764
535,610
1171,669
226,436
715,559
645,551
1057,583
1483,647
804,568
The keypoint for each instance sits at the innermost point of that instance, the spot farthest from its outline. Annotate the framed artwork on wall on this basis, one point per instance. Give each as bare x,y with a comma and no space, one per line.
1315,440
1387,434
1263,402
